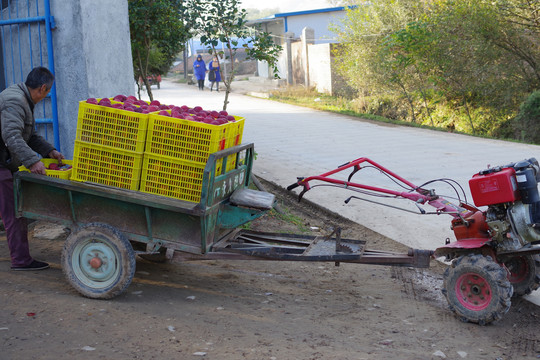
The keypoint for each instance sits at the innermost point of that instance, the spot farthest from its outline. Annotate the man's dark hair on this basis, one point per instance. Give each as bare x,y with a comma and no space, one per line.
39,76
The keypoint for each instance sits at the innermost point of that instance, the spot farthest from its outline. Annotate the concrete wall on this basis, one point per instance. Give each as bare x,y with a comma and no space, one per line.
320,67
92,54
301,58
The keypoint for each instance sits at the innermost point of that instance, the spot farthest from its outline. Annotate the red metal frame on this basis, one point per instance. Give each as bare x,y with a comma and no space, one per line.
468,222
420,195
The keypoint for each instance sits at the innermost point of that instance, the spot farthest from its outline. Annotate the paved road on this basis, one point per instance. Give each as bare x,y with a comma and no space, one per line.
293,141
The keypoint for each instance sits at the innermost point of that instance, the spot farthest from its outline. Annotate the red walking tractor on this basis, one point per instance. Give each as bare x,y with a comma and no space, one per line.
495,252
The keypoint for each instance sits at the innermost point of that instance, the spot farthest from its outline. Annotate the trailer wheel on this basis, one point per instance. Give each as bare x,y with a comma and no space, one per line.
477,289
524,273
98,261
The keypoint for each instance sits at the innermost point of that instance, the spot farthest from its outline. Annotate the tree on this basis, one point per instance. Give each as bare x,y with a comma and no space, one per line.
158,33
224,21
476,58
527,122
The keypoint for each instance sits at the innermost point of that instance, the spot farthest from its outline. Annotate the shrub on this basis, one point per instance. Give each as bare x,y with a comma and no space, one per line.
527,122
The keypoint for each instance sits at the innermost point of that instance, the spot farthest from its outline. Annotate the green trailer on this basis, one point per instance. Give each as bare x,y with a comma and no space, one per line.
110,226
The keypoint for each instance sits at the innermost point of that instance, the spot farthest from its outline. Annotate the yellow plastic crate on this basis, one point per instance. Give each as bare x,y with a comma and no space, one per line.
184,139
236,129
106,165
101,125
60,174
172,178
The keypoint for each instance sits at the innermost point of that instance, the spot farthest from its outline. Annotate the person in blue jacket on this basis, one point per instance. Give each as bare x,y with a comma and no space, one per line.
214,74
199,70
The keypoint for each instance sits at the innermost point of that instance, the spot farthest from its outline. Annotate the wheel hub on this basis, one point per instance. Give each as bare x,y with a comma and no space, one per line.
518,268
96,262
473,291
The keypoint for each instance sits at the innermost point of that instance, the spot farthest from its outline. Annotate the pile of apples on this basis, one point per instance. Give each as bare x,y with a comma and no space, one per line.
129,103
197,113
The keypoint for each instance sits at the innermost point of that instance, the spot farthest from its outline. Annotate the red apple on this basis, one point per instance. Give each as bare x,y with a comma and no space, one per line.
53,166
223,112
164,113
155,102
120,98
92,101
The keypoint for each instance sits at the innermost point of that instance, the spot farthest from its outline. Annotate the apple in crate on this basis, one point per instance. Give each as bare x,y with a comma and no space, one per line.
104,102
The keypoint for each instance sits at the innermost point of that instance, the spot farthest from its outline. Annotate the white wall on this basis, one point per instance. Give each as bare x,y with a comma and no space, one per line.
318,22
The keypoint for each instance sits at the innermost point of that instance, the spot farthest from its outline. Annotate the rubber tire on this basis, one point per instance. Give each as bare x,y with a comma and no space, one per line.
109,243
483,269
527,281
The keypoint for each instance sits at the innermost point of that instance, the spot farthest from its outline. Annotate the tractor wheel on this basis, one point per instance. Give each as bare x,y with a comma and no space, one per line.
98,261
477,289
524,273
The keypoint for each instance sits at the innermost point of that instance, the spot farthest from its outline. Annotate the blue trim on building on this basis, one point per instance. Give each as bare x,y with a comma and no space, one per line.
309,12
286,15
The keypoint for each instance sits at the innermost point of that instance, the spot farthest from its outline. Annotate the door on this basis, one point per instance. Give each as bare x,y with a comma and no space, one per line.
26,38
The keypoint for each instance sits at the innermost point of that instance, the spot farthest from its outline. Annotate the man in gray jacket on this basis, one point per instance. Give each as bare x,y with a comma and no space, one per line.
20,145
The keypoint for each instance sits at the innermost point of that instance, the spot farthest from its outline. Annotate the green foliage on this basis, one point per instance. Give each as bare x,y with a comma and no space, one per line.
459,64
527,122
224,21
158,32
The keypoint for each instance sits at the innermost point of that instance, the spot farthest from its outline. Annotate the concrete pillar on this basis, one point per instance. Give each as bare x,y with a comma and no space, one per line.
288,38
307,38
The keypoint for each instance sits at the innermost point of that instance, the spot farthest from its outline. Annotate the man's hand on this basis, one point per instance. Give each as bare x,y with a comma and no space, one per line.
38,168
56,155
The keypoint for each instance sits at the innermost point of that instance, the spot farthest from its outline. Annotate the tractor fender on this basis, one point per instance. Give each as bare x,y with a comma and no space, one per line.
467,244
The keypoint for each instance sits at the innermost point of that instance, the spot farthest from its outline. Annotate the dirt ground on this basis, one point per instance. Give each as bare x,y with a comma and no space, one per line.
252,309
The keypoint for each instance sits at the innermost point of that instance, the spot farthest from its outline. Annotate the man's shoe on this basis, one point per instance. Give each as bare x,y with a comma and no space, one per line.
34,265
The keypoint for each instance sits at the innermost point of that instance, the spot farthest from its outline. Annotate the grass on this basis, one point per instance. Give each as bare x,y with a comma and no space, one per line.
311,99
287,217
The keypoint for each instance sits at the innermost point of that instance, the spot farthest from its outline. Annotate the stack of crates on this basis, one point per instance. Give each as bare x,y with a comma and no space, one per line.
176,153
109,146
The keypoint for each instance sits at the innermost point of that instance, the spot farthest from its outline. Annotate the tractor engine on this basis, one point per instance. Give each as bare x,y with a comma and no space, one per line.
511,194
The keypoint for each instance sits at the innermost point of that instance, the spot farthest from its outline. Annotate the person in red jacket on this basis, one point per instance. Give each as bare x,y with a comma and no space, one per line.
19,146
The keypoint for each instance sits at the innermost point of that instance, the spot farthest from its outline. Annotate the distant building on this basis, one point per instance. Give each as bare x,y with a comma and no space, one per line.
294,22
308,47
